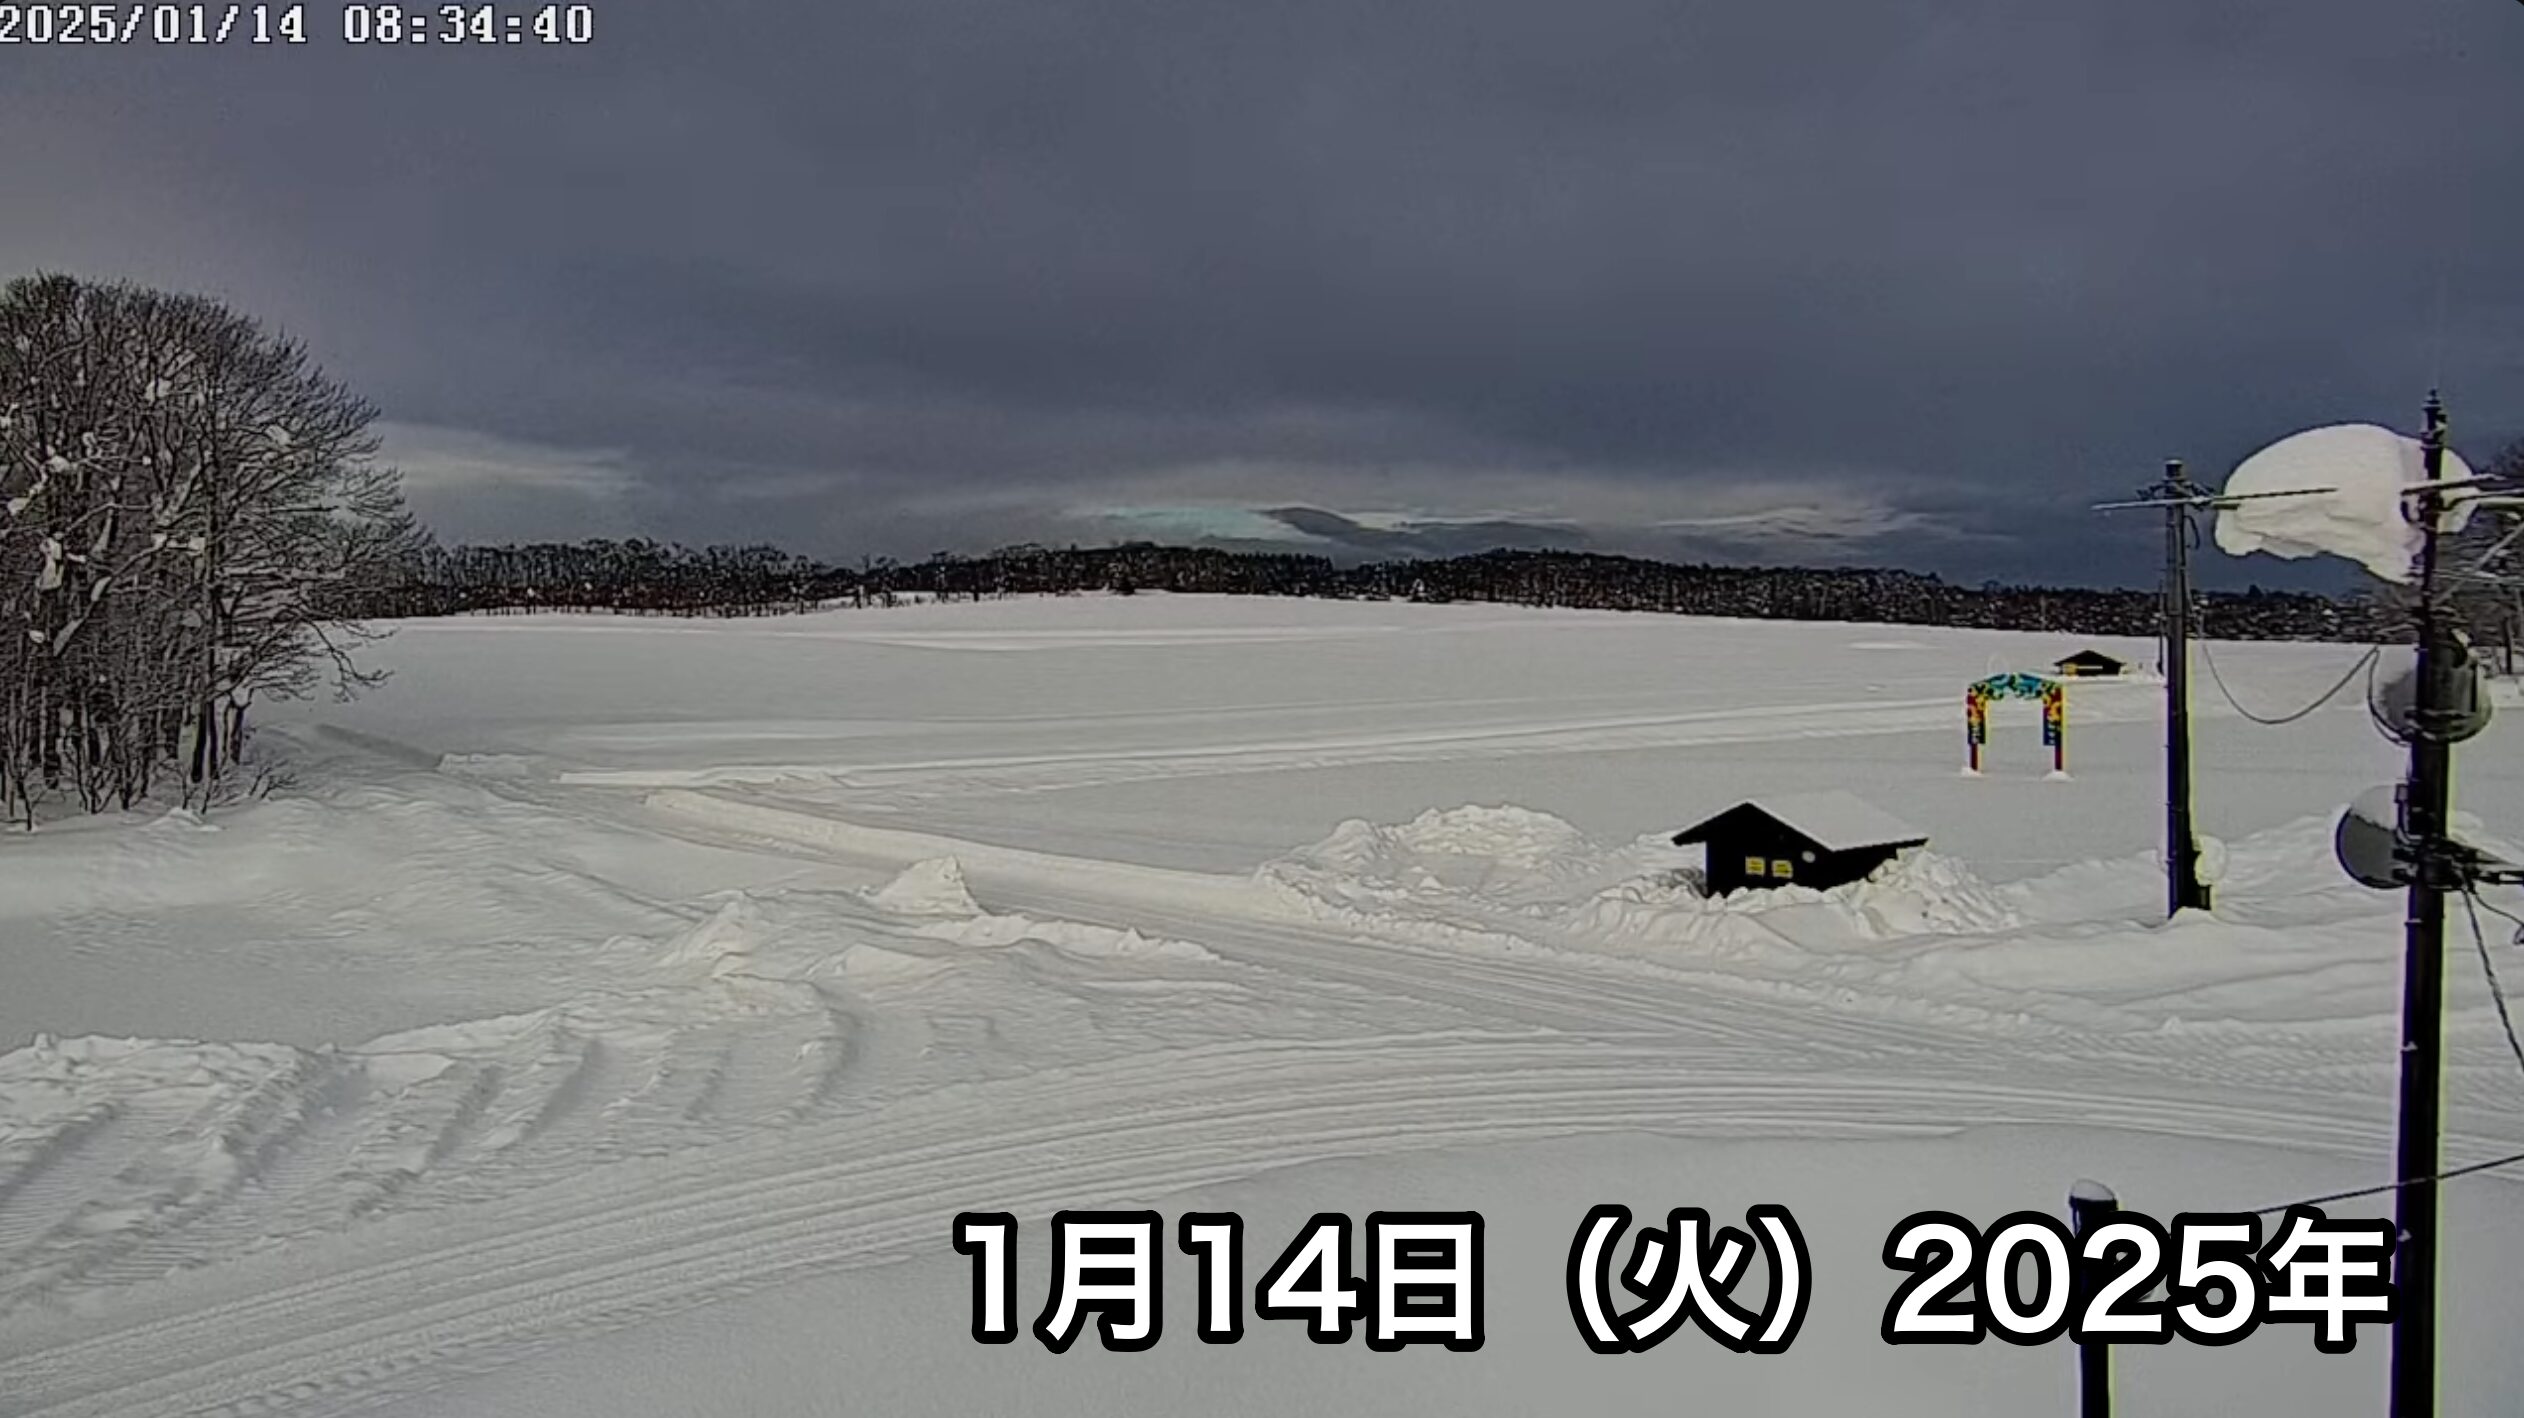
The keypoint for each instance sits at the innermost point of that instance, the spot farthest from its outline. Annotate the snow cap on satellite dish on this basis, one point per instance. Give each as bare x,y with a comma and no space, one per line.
2368,469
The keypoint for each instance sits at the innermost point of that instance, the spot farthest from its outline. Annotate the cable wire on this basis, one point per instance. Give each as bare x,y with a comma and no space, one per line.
2447,1175
2472,905
2494,909
2363,662
2497,992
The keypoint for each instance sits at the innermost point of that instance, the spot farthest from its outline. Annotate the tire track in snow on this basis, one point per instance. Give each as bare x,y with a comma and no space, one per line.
169,1156
192,1166
1100,766
55,1171
1092,767
624,1242
1564,991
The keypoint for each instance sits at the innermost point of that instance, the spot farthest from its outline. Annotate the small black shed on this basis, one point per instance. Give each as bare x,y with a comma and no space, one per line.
1819,840
2090,664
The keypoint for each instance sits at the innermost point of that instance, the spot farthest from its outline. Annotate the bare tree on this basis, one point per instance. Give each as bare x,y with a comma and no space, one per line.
2484,562
182,496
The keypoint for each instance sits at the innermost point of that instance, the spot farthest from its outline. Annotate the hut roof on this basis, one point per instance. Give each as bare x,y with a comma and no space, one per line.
1838,821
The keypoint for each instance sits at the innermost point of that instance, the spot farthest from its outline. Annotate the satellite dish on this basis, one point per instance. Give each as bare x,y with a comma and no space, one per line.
2393,697
2367,839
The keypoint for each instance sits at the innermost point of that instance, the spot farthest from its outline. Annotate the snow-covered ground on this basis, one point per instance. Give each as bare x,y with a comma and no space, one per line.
613,1013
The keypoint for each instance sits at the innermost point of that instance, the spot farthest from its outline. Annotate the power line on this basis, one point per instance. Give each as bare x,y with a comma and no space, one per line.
2497,993
2493,908
2210,660
2209,657
2445,1176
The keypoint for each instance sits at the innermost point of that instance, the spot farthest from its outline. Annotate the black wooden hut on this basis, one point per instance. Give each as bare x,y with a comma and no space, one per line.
2090,664
1819,840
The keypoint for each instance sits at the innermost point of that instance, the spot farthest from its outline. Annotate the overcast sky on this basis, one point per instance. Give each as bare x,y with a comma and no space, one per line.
1778,280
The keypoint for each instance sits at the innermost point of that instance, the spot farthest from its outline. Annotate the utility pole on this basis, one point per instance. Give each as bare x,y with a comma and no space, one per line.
2436,706
2425,807
2178,496
2184,890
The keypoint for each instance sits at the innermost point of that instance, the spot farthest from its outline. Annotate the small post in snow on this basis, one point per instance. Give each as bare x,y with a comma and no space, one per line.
2090,1205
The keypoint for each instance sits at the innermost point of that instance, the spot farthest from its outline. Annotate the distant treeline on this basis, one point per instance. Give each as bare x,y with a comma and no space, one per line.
634,577
645,577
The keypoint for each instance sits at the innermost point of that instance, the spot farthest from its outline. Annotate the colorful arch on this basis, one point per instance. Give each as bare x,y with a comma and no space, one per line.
1978,694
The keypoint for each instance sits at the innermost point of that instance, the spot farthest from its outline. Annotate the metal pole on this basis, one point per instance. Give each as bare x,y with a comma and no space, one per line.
2424,810
2090,1205
2182,850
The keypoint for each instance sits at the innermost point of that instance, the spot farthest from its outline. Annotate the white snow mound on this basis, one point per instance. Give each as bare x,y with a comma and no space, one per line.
1070,937
1499,855
931,888
874,964
1919,893
2367,468
721,943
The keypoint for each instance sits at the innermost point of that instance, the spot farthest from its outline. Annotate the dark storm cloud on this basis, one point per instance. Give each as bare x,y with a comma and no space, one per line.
1804,279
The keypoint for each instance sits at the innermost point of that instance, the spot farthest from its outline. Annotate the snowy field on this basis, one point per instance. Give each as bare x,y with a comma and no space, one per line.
612,1014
